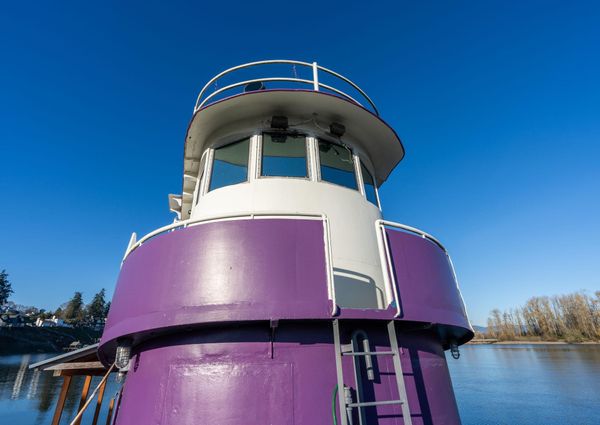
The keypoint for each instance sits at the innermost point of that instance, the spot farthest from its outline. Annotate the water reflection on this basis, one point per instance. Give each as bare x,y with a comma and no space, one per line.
494,385
35,379
29,397
527,384
48,390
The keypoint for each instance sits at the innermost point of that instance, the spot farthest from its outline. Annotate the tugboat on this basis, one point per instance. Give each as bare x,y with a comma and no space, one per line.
279,294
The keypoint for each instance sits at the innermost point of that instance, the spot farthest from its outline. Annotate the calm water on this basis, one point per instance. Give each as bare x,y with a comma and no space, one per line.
494,385
29,397
527,384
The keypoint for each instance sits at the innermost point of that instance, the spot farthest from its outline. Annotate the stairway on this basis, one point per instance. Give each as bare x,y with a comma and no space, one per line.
358,350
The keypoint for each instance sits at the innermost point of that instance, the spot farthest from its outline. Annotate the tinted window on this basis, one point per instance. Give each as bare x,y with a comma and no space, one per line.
337,164
284,155
369,184
230,164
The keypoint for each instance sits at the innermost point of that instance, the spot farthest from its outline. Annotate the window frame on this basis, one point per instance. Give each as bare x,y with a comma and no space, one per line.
368,168
198,190
259,156
211,159
352,154
255,161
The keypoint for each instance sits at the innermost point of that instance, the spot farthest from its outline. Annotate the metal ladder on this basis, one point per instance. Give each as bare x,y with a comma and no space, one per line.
345,398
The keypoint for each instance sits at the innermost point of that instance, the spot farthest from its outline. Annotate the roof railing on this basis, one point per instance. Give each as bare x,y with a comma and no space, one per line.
204,98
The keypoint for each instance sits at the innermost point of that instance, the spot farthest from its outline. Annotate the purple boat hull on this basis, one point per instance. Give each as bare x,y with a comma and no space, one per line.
233,376
197,304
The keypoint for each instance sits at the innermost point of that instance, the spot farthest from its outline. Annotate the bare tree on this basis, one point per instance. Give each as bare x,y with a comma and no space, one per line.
573,317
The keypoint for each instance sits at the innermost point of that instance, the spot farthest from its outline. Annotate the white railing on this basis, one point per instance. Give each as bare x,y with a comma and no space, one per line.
204,98
385,256
386,260
134,244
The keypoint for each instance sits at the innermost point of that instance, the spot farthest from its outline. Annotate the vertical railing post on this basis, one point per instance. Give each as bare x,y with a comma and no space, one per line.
84,393
132,242
315,76
387,265
389,292
391,271
60,404
329,265
111,405
99,403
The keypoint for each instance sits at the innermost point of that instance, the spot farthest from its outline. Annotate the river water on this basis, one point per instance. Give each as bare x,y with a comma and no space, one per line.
527,384
29,397
493,384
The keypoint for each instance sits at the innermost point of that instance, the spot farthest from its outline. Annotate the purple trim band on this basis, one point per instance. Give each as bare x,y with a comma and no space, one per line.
258,270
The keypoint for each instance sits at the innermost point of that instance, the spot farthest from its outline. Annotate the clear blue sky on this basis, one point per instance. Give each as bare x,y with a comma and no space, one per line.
498,104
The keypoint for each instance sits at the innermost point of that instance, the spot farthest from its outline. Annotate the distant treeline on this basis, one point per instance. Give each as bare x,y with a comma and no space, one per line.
573,318
74,312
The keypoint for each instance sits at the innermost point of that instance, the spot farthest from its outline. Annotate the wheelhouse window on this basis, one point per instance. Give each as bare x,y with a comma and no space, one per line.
369,182
283,155
230,164
337,164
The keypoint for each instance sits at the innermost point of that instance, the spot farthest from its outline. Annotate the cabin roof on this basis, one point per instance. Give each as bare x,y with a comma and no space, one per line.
237,116
83,361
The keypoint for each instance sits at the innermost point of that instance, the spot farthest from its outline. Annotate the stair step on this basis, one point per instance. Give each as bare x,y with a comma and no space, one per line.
375,403
345,406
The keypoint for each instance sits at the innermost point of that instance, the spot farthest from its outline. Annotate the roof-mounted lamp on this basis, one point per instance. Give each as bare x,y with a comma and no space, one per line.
279,122
337,129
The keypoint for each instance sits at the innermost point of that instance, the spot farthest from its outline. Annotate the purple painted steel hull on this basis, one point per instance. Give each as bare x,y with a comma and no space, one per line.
241,270
197,303
426,286
227,377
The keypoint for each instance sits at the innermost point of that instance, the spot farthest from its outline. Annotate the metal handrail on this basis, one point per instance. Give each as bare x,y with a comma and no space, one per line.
201,101
133,244
382,224
382,242
387,267
386,258
411,229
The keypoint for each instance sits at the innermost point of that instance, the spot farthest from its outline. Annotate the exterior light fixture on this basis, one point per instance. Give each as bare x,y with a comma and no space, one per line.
123,354
337,129
280,122
454,350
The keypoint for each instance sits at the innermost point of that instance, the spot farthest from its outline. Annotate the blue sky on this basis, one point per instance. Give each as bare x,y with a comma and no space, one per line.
498,105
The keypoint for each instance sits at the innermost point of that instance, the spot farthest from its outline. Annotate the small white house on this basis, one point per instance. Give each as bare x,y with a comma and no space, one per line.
54,322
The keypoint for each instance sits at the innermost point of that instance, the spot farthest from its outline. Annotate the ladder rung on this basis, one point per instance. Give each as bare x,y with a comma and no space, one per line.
367,353
375,403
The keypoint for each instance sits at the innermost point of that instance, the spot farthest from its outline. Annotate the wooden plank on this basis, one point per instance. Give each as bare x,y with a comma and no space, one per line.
80,372
84,394
60,404
111,405
76,365
99,402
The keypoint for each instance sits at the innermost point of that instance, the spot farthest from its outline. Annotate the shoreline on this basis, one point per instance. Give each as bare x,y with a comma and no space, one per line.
535,342
28,339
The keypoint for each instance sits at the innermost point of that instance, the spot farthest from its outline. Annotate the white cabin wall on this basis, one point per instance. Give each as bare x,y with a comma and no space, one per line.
355,256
